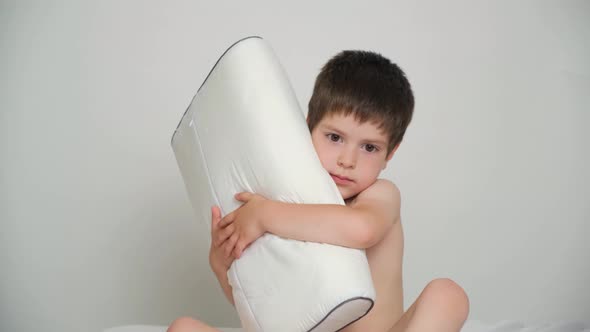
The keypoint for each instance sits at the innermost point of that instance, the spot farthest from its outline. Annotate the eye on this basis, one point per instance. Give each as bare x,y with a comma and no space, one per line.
334,137
371,148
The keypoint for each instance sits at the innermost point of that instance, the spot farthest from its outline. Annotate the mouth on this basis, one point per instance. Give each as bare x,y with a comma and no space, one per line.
341,179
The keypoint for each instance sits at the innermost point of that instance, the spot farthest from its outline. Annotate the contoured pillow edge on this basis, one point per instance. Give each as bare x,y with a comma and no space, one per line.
222,147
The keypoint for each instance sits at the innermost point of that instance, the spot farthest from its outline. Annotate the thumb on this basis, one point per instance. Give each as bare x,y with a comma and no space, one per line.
215,214
243,196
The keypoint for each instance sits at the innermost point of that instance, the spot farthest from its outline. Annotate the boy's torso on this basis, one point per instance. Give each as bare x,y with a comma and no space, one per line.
385,262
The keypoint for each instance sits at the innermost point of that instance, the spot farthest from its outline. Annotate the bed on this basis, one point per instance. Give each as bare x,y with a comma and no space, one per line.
471,325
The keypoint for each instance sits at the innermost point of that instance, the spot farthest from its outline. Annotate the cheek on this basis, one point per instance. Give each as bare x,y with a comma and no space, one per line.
315,142
324,154
372,165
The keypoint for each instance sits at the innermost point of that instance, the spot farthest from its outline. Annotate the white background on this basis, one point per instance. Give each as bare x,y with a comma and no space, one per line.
95,223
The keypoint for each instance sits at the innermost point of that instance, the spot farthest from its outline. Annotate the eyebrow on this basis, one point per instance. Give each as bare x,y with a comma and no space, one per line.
371,141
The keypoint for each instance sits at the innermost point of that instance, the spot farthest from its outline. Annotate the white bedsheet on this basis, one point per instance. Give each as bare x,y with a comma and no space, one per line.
470,326
151,328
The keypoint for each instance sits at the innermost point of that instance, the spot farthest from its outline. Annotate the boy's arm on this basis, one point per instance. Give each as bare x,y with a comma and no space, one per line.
219,260
221,275
360,225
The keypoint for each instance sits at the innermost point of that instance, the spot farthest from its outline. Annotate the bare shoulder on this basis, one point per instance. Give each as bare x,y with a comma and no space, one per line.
383,191
383,197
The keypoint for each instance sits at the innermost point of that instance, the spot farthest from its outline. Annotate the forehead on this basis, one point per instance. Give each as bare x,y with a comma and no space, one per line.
349,124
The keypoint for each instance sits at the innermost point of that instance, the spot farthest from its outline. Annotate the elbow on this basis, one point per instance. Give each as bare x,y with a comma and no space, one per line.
366,236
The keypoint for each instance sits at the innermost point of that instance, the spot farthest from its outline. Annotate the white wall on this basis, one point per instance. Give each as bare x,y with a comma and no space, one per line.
95,224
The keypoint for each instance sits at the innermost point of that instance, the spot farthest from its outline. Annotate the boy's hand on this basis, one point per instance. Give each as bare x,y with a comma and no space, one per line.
246,221
220,238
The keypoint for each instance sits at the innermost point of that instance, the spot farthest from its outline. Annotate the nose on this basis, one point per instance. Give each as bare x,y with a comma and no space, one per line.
347,158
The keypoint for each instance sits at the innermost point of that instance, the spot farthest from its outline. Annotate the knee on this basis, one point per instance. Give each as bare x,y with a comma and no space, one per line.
185,324
449,297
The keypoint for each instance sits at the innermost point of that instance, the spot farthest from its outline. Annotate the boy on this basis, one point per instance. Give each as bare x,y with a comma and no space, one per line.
358,113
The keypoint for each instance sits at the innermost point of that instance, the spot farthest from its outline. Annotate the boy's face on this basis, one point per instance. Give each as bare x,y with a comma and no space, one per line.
353,153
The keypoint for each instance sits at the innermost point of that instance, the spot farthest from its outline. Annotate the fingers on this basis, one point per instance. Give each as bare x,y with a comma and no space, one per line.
243,196
239,248
228,219
223,234
230,244
237,253
215,216
219,234
215,212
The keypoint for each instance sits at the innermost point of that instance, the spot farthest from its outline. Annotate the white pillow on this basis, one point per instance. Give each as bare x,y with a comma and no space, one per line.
244,131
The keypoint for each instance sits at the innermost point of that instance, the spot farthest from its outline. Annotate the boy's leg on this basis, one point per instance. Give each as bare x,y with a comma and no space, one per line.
442,306
187,324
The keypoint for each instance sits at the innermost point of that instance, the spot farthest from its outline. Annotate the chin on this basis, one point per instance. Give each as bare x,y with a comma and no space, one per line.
346,195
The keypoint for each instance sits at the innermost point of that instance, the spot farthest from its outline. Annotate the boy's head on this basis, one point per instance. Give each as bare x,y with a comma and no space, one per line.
358,113
368,86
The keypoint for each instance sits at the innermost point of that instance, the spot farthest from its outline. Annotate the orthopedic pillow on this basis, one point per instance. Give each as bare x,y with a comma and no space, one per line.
244,131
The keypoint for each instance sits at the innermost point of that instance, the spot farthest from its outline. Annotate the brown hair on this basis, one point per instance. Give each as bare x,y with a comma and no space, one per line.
367,85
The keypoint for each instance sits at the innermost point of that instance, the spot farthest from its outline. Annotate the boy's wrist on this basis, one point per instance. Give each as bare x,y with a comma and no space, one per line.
266,214
219,270
216,265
